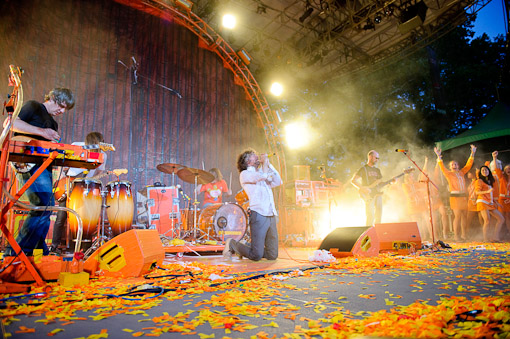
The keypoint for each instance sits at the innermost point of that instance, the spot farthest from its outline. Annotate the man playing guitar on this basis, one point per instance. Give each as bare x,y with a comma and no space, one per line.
365,180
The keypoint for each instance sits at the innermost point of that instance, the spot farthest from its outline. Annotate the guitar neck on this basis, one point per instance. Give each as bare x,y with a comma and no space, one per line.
387,182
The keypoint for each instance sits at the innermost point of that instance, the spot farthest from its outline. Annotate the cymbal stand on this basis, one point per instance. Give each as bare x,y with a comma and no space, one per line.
195,203
101,237
172,216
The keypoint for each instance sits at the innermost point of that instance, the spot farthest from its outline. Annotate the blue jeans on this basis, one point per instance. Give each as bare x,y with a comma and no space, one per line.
264,239
33,232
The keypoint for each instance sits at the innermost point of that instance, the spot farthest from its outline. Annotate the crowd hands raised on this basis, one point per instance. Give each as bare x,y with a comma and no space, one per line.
478,198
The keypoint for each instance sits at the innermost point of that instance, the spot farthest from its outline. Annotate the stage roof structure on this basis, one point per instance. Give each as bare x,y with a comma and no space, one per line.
319,40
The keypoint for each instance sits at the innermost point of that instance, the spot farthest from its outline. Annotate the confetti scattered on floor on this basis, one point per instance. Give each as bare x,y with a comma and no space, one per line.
463,292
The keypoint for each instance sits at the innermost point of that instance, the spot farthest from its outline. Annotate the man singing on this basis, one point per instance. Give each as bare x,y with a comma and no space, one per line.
258,177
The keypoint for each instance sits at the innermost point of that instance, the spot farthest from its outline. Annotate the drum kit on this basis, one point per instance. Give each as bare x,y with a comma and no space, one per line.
216,222
92,200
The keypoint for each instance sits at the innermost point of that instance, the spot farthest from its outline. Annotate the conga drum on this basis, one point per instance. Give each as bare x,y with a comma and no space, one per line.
223,221
120,206
85,199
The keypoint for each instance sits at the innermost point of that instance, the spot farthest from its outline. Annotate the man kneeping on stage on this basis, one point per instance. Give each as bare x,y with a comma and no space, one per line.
257,178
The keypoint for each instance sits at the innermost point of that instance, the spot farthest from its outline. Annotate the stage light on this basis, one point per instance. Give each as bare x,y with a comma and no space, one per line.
377,19
276,89
297,135
184,4
369,25
344,214
229,21
244,56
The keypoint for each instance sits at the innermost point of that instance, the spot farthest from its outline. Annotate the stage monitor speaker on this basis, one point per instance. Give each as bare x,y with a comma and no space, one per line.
347,241
130,254
398,236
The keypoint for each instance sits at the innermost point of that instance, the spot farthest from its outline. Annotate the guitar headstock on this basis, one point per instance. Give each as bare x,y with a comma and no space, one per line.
119,171
102,146
409,170
106,147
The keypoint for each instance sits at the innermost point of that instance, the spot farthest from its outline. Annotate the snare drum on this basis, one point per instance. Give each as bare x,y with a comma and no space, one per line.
86,200
120,206
223,221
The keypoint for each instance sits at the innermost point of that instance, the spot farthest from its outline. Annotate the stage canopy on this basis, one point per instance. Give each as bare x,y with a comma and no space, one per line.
495,124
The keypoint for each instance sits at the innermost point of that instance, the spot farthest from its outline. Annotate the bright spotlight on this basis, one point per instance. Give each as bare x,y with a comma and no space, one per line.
229,21
297,135
276,89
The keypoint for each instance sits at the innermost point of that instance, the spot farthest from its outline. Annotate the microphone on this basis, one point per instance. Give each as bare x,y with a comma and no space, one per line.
401,150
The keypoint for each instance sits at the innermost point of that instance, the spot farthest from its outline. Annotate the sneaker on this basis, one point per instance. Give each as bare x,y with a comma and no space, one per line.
227,253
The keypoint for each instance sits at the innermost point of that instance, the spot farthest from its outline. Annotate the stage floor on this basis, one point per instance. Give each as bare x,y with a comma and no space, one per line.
462,292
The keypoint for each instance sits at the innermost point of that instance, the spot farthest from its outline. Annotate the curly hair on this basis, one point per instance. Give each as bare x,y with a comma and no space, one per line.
61,96
242,160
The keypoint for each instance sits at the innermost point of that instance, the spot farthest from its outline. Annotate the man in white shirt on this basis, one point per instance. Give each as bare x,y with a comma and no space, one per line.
258,177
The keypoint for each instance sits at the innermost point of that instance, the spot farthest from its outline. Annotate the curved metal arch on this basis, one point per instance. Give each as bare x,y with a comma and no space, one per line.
212,41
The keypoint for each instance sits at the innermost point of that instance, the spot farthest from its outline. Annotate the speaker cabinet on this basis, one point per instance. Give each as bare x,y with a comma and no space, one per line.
130,254
348,241
398,236
158,208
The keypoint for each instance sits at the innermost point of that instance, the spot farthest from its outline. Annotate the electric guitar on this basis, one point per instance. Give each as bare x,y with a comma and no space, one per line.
374,189
61,187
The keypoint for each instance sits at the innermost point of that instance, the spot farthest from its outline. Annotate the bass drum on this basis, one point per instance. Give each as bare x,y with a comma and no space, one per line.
223,221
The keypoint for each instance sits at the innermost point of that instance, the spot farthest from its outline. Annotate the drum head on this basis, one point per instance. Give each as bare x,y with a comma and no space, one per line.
86,181
230,222
116,182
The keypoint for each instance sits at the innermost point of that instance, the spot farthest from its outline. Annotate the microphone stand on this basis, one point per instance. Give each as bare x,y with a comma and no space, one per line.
428,181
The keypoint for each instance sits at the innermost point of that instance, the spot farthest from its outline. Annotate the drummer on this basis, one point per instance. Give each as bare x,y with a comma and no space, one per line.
214,190
93,138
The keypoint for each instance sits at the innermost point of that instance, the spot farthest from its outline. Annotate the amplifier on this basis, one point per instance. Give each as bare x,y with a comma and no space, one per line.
299,192
158,207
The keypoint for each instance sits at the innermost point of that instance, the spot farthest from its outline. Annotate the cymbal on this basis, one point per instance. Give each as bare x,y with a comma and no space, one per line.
188,174
169,168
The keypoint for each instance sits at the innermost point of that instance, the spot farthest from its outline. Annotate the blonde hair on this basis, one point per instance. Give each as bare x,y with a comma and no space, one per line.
217,174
